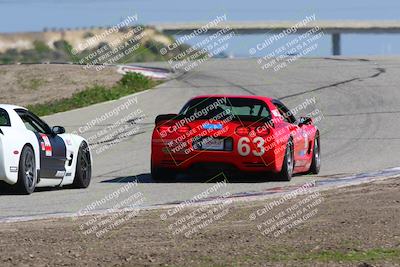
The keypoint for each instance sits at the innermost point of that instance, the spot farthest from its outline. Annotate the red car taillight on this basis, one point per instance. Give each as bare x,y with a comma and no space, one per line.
164,128
242,131
259,131
169,129
262,131
183,129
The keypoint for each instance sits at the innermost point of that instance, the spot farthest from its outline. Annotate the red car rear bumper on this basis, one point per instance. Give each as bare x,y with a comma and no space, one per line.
270,161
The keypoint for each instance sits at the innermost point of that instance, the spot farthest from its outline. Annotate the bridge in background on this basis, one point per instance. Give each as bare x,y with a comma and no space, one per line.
334,28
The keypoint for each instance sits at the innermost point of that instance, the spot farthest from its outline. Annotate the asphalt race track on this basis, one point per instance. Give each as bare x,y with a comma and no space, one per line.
358,97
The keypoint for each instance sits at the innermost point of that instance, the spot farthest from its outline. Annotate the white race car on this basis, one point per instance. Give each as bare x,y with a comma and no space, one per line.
34,155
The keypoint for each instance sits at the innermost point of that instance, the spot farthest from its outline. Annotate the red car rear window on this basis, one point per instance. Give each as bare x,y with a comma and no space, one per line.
210,107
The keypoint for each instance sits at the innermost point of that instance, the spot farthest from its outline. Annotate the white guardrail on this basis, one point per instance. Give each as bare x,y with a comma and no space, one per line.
154,73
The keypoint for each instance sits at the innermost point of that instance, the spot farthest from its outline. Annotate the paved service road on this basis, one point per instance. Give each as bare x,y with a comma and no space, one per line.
359,99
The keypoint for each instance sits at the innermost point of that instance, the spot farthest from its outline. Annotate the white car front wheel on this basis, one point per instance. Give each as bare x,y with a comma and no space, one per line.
83,172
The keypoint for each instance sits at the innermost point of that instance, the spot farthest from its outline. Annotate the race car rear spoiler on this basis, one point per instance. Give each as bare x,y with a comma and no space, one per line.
168,117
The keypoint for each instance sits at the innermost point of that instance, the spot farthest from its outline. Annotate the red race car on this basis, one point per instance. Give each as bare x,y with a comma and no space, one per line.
231,133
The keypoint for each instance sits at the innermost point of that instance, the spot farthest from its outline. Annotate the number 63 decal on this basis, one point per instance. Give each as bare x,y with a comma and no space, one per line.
244,148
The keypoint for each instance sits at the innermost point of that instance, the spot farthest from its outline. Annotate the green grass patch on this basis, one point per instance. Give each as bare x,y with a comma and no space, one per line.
367,256
130,83
41,47
373,255
283,256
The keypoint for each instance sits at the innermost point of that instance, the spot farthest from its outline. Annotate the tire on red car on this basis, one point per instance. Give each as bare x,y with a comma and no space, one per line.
316,159
286,172
163,175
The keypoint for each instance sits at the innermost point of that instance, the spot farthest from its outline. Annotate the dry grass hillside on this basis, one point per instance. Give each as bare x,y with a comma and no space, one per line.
24,41
31,84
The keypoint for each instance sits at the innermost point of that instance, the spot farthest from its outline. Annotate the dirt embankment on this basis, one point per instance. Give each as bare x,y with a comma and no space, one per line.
24,41
354,226
31,84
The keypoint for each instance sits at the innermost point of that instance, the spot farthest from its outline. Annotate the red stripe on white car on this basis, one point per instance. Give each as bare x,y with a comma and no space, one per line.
46,145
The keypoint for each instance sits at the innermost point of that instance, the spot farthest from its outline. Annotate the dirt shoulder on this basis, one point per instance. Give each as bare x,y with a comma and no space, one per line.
32,84
353,226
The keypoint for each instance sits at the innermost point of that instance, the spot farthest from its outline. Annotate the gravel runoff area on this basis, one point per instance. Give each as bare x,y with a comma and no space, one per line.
351,226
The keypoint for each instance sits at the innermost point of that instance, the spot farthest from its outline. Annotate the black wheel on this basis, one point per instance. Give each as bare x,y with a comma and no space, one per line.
288,163
83,172
163,175
27,175
316,159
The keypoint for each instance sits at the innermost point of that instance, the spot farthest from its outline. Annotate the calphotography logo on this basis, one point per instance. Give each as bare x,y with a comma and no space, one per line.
280,216
107,135
297,46
213,45
276,37
190,219
92,41
123,206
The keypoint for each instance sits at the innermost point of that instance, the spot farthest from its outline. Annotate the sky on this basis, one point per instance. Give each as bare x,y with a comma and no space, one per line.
35,15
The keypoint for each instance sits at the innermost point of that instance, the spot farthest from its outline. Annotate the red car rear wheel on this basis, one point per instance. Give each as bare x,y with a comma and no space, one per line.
316,160
163,175
288,163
